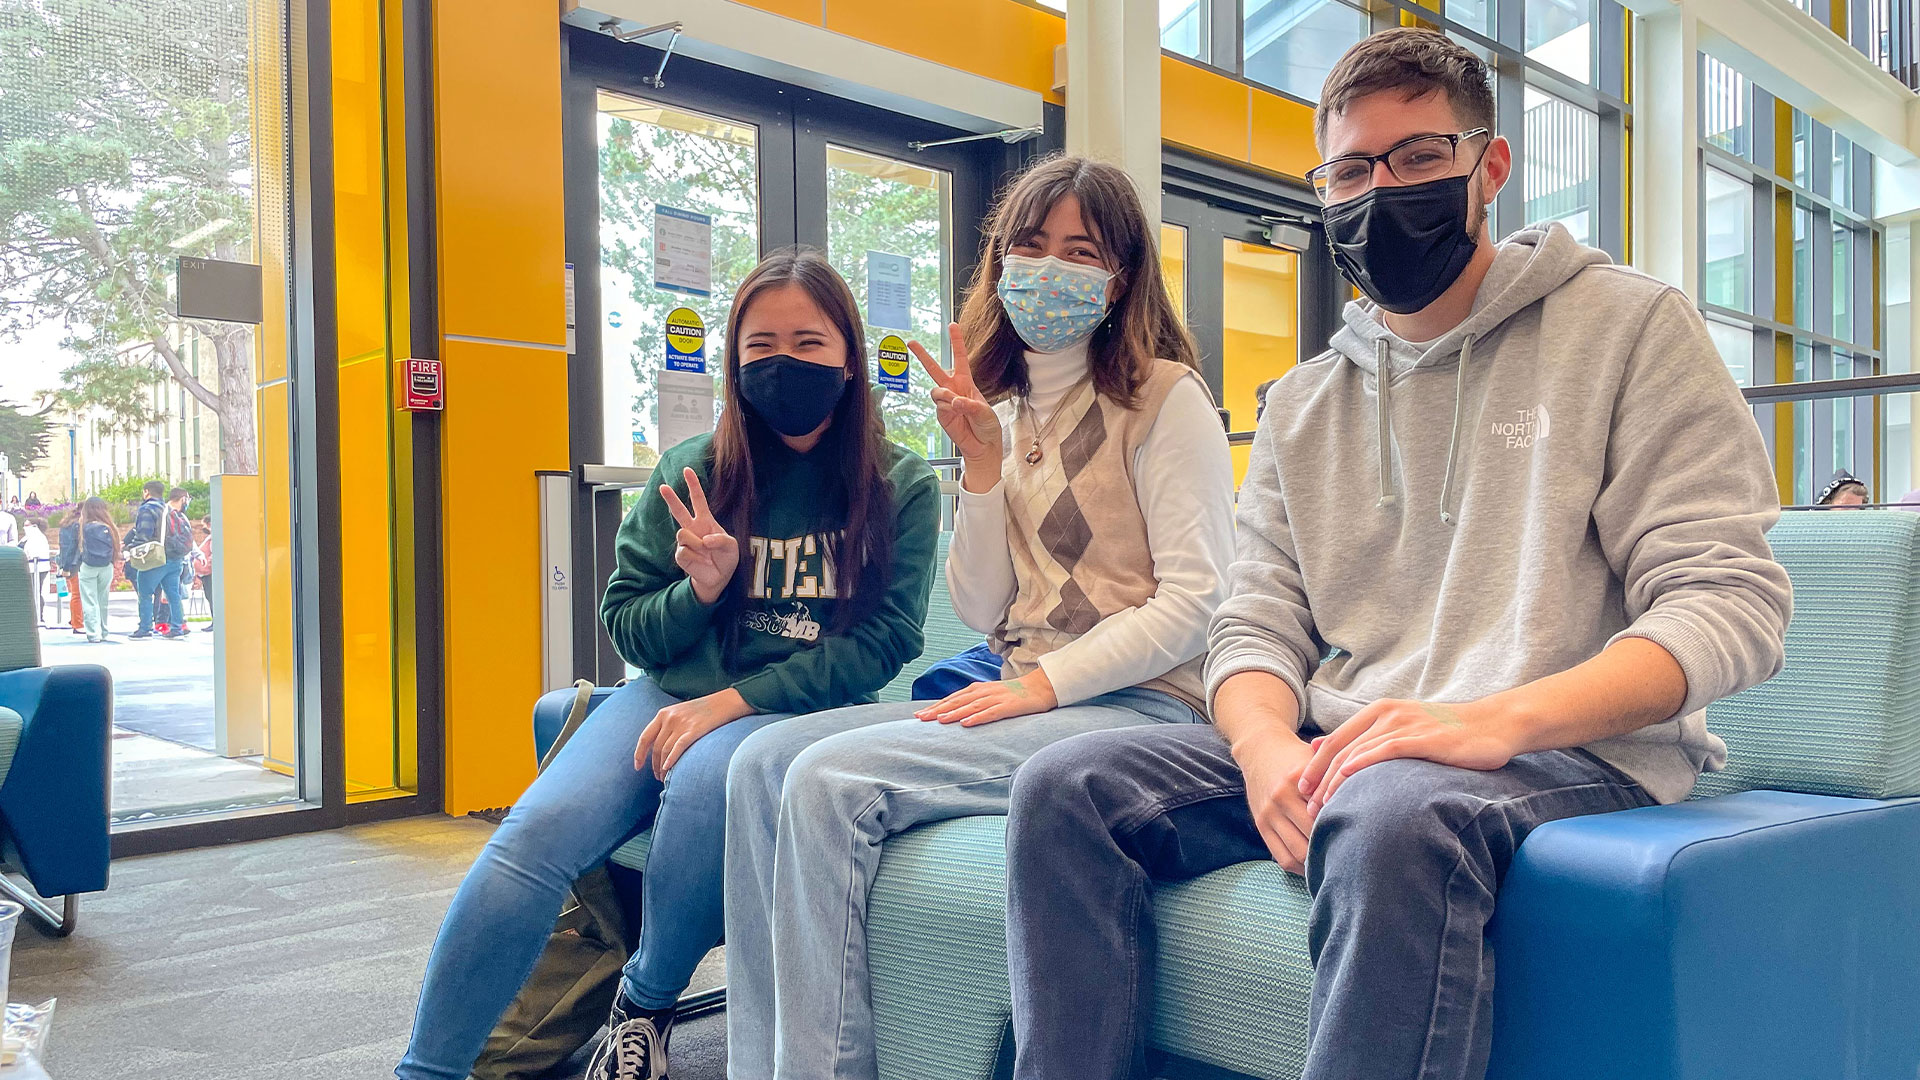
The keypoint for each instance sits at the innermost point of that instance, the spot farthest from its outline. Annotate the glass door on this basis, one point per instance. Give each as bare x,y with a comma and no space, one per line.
890,234
679,231
674,194
1255,285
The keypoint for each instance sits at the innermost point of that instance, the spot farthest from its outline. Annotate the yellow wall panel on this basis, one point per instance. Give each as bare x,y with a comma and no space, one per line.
1202,110
240,614
506,418
502,218
276,503
367,565
997,39
1282,135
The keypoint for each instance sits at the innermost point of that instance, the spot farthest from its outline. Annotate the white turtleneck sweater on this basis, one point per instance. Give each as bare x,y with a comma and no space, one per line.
1183,479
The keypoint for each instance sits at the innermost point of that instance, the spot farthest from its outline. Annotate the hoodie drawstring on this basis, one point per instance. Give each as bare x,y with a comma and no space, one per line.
1453,440
1383,424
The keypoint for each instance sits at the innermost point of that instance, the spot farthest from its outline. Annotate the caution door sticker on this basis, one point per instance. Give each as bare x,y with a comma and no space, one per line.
686,341
893,363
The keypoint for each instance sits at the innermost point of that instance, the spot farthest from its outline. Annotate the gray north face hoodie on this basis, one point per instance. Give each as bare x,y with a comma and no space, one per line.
1571,465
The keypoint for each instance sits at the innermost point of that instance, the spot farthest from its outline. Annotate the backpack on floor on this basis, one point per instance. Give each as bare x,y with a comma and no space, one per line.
571,990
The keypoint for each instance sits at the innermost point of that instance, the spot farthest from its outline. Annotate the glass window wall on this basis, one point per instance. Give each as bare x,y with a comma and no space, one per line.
1290,45
1563,143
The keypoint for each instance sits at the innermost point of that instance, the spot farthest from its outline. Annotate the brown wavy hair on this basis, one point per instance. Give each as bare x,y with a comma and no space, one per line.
94,510
1140,325
855,441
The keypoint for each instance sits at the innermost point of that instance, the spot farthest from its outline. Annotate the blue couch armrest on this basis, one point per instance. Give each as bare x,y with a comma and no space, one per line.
53,807
1759,934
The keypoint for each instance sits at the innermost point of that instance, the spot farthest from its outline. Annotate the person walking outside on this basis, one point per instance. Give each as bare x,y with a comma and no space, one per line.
97,551
39,564
164,523
67,561
201,564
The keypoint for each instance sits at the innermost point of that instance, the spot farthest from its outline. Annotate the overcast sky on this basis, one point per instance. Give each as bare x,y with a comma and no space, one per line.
31,365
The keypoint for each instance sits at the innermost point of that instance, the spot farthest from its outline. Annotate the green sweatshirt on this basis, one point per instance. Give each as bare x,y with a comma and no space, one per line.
788,660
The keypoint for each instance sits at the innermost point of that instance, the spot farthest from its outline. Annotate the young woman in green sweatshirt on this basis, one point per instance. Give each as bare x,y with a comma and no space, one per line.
781,567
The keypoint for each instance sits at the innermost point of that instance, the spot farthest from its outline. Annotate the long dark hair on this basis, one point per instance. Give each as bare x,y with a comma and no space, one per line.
94,510
855,441
1141,324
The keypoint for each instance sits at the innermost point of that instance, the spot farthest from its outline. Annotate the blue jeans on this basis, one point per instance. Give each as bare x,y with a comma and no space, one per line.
809,805
1403,865
588,802
150,582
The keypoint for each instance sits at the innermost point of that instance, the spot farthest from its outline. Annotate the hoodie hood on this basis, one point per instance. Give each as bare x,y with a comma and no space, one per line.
1526,267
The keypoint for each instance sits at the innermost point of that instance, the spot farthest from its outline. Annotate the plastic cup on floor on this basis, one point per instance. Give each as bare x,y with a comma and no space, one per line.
9,920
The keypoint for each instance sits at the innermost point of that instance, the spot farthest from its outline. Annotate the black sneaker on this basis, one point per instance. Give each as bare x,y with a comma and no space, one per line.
138,634
176,632
635,1049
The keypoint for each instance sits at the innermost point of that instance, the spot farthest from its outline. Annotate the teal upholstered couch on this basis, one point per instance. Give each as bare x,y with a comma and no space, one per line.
1609,963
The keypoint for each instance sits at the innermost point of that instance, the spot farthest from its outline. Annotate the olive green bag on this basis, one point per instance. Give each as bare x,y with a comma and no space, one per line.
572,987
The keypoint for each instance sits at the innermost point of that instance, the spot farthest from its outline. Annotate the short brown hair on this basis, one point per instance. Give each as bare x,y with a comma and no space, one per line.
1415,62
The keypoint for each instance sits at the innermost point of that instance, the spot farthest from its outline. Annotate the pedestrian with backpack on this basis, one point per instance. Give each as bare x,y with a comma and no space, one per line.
96,551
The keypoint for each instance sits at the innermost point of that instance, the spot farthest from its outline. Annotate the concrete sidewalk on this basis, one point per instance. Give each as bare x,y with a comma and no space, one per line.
163,741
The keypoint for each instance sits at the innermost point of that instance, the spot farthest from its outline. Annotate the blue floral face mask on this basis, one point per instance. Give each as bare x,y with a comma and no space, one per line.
1053,304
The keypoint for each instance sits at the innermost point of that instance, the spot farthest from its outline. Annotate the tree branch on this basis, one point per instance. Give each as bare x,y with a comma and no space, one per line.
180,374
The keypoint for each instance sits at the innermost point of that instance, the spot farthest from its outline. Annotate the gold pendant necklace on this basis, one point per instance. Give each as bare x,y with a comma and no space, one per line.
1039,432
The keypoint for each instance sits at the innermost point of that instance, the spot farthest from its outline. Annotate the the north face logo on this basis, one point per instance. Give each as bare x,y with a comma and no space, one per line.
1531,426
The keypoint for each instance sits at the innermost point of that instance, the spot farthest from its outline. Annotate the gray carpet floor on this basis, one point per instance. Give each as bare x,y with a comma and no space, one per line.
294,958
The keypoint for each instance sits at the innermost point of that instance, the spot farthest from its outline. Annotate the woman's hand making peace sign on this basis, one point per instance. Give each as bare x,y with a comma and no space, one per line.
964,414
705,551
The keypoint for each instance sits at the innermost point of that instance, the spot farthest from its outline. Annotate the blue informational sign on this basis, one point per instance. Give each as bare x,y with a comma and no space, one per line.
686,341
889,291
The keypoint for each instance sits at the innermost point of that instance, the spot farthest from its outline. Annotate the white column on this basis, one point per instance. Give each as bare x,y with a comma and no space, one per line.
1666,153
1113,89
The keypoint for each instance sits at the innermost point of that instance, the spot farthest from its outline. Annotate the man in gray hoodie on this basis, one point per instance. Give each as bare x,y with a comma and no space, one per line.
1565,562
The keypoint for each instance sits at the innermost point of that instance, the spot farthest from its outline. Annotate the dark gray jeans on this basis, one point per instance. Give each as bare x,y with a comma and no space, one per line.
1404,866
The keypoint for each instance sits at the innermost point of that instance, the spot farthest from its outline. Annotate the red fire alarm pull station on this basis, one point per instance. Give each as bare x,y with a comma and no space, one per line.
426,386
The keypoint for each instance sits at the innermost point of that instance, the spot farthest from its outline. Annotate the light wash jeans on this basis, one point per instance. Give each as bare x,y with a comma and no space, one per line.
589,801
96,591
809,804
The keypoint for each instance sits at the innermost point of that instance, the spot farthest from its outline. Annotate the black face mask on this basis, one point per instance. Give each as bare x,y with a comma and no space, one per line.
1403,246
789,394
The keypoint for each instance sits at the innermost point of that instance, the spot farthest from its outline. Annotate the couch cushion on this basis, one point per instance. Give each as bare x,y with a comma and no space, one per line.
1233,981
944,633
1843,716
1231,986
633,853
936,933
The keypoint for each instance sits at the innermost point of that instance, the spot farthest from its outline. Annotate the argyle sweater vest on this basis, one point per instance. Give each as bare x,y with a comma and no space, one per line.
1074,525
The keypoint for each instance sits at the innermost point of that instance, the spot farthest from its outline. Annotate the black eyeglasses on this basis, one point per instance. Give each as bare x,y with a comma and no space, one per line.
1411,161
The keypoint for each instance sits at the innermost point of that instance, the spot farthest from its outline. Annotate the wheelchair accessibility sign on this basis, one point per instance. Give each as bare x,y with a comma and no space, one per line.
686,341
893,363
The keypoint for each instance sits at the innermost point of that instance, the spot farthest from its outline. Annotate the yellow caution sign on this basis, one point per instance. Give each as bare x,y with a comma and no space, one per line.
894,361
686,341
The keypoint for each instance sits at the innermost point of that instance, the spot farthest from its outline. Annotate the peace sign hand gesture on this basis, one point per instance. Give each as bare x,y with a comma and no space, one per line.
964,414
704,551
